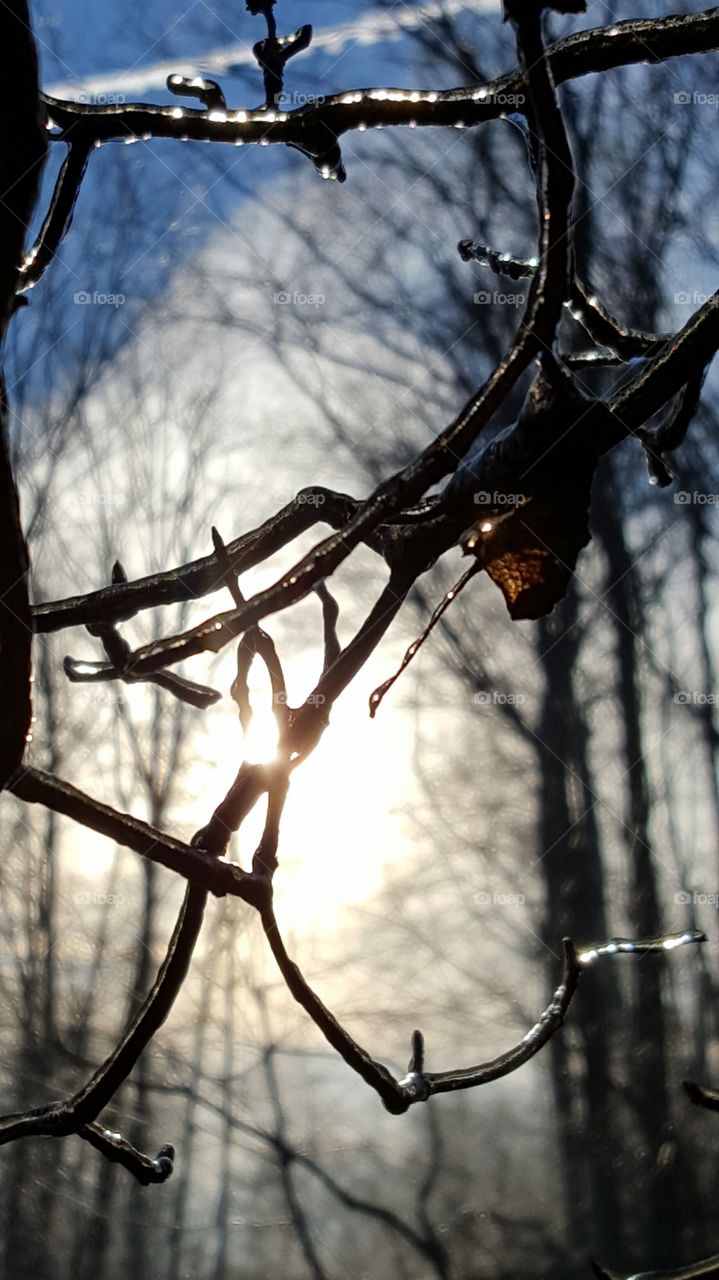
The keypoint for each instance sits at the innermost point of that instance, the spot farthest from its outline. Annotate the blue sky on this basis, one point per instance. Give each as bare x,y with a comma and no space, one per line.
73,48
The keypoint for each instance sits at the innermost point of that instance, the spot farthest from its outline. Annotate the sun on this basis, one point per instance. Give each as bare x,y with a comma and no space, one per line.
343,821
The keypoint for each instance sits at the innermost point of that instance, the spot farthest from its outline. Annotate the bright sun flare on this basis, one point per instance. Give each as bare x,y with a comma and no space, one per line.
342,822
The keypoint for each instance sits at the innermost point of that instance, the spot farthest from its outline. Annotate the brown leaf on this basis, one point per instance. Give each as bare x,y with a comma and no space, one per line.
531,552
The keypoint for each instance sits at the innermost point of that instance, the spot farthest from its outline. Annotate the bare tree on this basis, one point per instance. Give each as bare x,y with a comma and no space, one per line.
528,551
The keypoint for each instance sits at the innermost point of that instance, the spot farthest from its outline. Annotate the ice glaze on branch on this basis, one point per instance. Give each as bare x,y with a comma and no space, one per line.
598,49
314,129
418,1085
382,521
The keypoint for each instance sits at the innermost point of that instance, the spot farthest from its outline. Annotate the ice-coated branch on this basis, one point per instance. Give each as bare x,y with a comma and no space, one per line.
59,215
118,1150
311,506
559,433
118,654
583,304
418,1085
314,130
191,862
597,49
59,1119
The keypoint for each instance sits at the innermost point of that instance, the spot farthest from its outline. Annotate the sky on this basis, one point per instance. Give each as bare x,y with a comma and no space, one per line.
347,820
352,45
128,58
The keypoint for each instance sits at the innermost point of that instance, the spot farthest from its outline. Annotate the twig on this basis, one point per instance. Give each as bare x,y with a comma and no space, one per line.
82,1108
313,505
583,305
418,1085
189,861
118,1150
597,49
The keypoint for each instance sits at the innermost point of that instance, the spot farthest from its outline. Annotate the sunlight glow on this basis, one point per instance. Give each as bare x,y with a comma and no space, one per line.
334,845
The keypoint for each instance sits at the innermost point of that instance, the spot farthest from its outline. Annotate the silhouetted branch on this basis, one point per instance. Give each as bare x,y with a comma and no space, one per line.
255,641
313,505
189,861
597,49
583,304
118,1150
59,215
548,456
418,1085
22,156
70,1116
